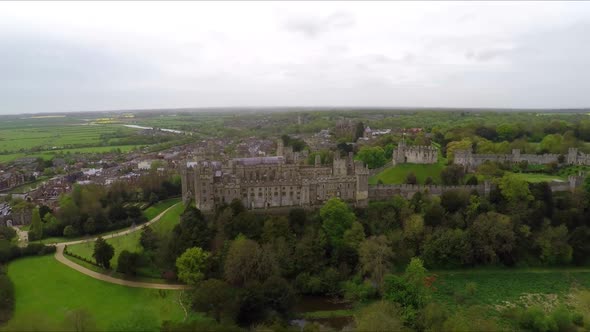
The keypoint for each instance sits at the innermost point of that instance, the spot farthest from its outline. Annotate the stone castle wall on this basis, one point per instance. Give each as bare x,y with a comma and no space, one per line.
471,161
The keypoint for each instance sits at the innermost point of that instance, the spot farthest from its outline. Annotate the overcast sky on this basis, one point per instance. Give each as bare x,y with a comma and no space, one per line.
81,56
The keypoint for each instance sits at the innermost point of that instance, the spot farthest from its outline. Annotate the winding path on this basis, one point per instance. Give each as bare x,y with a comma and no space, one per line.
59,256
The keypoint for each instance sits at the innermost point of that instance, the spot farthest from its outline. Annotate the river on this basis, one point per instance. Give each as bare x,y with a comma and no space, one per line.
151,128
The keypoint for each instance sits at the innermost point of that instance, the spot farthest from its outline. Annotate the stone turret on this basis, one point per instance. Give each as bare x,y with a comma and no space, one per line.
516,155
572,156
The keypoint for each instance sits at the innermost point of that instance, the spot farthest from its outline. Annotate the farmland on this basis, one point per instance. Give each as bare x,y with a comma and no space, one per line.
47,137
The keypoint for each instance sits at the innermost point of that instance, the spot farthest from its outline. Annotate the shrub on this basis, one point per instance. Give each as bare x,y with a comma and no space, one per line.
6,298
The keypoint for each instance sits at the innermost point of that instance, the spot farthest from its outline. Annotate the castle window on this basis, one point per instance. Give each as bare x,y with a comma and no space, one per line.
245,195
259,194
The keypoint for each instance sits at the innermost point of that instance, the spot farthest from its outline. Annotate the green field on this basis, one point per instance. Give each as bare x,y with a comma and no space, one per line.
131,241
535,177
47,137
397,174
157,208
496,286
44,299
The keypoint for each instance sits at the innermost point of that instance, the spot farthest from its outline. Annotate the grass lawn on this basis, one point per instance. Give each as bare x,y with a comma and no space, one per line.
157,208
397,174
131,241
535,177
46,290
496,286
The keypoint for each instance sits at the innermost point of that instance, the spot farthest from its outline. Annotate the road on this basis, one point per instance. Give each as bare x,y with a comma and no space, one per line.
59,256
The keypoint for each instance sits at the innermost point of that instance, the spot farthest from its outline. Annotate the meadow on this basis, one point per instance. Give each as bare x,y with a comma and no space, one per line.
536,177
49,296
495,287
397,174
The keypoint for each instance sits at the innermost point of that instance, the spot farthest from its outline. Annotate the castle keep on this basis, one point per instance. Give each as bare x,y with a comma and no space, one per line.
279,181
421,154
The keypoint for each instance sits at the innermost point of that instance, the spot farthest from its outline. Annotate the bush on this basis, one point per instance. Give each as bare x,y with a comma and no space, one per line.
358,291
7,233
6,298
10,251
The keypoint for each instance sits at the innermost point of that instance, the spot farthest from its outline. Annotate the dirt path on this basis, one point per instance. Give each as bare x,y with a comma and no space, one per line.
59,256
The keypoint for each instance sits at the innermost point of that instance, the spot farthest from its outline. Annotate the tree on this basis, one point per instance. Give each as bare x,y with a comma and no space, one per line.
336,219
89,226
128,262
379,316
247,261
452,175
359,131
70,231
148,238
375,257
414,231
278,294
153,198
410,291
514,189
215,297
492,238
581,246
103,252
373,157
552,243
454,200
464,144
354,236
411,178
191,265
192,231
36,232
448,248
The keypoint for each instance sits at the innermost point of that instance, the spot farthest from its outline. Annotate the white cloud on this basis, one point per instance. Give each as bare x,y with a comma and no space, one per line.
115,55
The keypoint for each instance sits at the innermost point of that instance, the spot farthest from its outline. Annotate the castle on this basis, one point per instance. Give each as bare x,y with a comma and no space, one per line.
471,161
421,154
278,181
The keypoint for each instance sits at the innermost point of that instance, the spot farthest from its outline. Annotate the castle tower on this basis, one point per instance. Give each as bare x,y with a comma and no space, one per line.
515,155
280,147
572,156
362,183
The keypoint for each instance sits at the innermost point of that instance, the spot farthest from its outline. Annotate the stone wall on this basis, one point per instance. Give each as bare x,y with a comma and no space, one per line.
386,191
471,160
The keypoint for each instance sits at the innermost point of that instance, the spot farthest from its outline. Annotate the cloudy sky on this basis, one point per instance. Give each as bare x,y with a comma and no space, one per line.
111,55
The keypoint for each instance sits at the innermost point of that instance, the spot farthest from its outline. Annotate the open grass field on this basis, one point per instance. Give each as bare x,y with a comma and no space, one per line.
44,299
397,174
535,177
157,208
131,241
492,287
